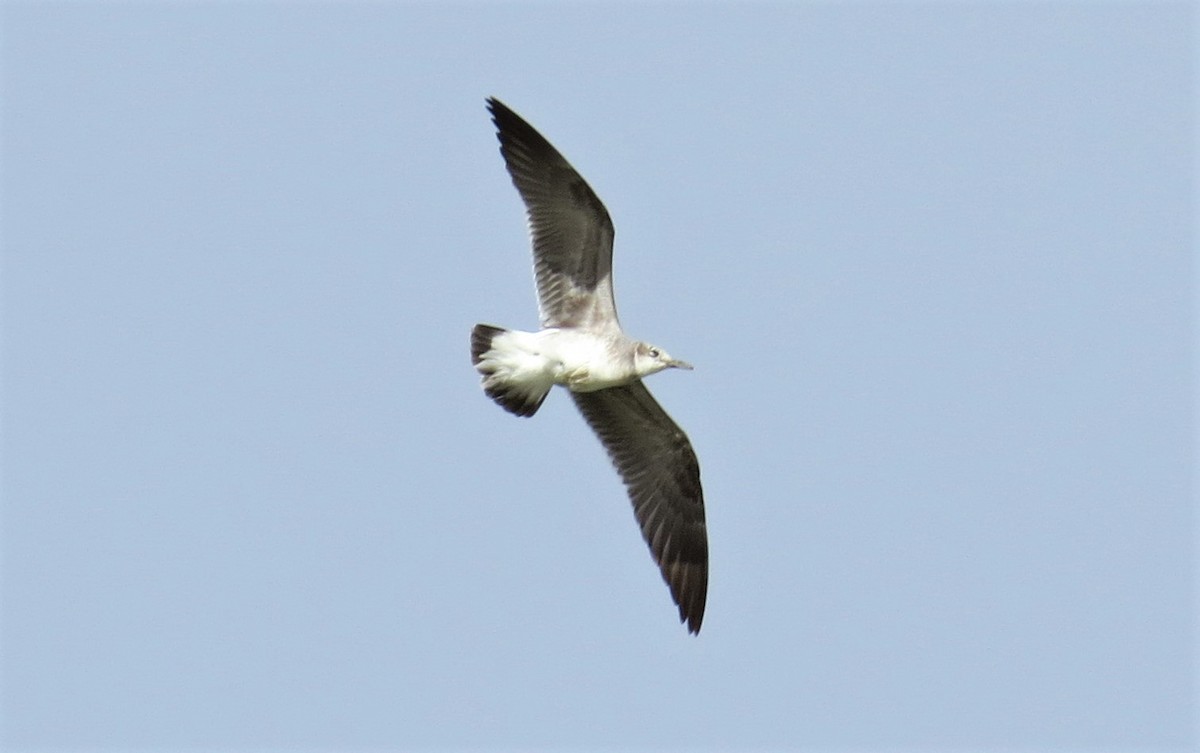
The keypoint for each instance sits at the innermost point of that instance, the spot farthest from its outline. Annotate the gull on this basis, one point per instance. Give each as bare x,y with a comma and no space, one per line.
581,346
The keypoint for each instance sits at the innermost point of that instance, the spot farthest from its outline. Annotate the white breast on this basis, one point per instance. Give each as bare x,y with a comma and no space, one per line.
583,361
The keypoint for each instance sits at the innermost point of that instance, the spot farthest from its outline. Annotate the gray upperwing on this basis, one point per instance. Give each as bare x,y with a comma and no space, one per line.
571,229
662,476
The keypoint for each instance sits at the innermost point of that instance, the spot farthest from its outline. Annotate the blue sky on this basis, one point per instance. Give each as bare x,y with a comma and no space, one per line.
934,263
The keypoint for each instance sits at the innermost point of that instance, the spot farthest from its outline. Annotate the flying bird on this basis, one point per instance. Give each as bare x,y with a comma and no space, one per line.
581,346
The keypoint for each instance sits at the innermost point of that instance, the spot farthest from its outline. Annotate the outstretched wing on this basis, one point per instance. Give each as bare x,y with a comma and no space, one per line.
662,476
571,229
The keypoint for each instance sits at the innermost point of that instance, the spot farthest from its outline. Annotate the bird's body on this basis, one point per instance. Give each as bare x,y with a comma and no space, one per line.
581,347
573,358
530,363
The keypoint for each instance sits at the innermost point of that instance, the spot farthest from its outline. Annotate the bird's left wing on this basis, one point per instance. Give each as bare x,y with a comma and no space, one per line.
656,461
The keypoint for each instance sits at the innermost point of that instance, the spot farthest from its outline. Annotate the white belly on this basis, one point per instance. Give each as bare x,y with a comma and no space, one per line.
581,362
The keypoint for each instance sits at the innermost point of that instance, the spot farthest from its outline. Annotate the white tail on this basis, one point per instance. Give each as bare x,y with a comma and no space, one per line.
515,374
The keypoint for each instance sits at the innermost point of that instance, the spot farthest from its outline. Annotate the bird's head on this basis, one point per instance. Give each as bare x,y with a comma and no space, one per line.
650,359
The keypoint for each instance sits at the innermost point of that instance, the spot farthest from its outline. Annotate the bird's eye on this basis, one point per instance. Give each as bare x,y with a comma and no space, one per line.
654,353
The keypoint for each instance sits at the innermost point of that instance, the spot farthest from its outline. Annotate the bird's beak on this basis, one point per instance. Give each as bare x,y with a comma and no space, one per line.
681,365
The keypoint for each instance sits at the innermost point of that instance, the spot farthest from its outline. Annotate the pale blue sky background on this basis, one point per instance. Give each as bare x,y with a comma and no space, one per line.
934,263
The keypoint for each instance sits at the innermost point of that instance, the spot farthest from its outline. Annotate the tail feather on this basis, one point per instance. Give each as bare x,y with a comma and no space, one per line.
513,377
481,340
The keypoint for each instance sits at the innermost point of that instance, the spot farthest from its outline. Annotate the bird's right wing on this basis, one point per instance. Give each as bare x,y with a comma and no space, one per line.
656,461
571,229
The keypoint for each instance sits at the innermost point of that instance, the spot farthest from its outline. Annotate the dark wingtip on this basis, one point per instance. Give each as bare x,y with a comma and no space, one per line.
500,111
691,619
688,582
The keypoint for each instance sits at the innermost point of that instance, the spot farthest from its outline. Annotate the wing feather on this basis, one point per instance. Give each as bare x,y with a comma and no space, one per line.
572,232
661,473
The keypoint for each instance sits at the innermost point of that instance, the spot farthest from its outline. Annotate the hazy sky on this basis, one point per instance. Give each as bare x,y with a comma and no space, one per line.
934,263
